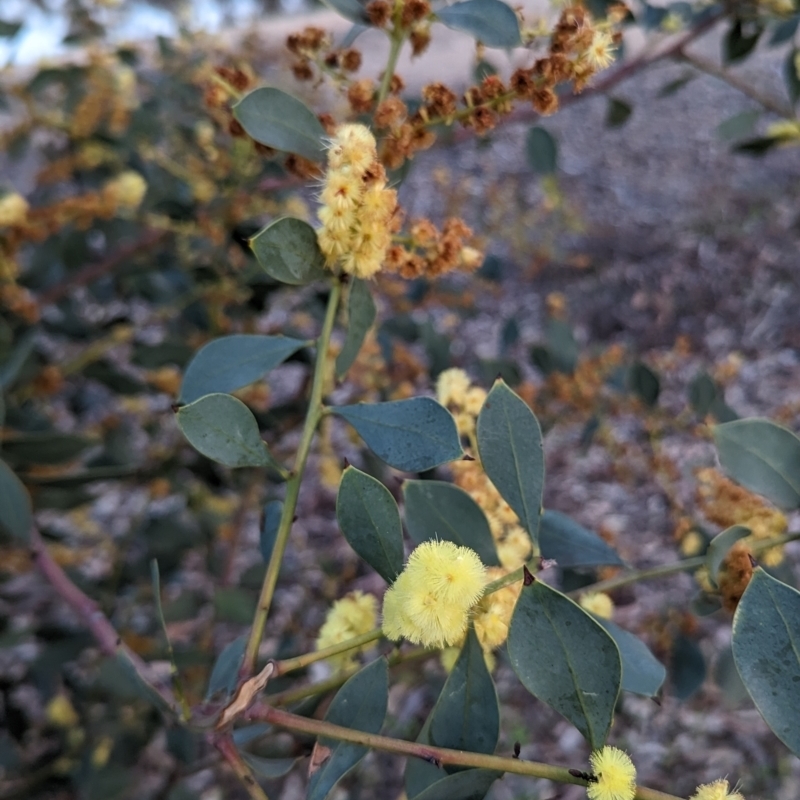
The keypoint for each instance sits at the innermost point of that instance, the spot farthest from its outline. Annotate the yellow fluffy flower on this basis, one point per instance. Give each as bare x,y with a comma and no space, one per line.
13,209
597,603
614,775
354,614
429,603
452,386
716,791
492,615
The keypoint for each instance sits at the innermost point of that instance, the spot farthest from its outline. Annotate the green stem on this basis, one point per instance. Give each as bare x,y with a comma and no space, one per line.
290,696
293,485
634,576
299,662
439,755
396,44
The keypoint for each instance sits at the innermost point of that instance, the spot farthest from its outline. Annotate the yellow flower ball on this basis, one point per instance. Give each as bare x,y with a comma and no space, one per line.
597,603
429,602
718,790
614,773
451,387
13,209
352,615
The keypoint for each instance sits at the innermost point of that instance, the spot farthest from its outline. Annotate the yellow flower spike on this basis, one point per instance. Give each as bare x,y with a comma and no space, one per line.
718,790
614,775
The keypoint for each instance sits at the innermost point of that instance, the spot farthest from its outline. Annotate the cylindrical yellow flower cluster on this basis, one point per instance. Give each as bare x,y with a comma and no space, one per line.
429,603
357,209
718,790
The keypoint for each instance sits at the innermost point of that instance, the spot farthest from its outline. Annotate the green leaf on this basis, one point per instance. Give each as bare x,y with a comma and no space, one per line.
467,715
269,529
225,674
510,447
763,457
719,546
566,659
231,362
785,31
687,667
757,146
675,86
269,768
560,352
541,151
642,672
136,684
439,510
16,515
369,520
703,391
766,648
12,366
790,75
490,21
571,545
361,316
8,29
412,435
279,120
617,112
471,784
224,429
234,604
46,447
738,126
361,705
350,9
644,383
740,41
288,251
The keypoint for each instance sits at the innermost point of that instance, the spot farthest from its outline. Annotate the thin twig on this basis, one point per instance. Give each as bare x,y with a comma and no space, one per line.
715,71
227,748
106,636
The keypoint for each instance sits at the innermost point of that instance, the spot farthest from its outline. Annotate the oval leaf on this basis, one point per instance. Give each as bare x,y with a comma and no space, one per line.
510,447
563,657
231,362
489,21
361,313
279,120
471,784
413,435
287,250
687,667
225,673
353,10
719,546
541,151
269,768
361,705
224,429
467,715
370,521
766,648
439,510
642,672
571,545
45,447
763,457
16,515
